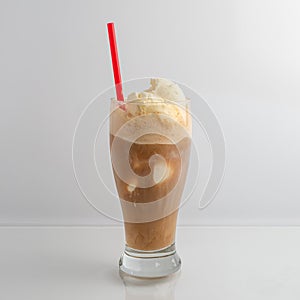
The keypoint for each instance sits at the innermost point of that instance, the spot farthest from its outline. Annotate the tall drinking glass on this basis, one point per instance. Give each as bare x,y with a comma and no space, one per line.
150,147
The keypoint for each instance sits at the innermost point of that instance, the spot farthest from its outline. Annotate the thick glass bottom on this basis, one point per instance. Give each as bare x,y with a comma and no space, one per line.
150,264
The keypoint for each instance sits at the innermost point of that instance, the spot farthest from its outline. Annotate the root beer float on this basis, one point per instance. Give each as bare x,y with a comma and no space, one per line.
150,140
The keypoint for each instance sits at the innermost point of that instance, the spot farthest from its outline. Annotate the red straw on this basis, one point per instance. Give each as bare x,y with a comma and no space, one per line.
115,60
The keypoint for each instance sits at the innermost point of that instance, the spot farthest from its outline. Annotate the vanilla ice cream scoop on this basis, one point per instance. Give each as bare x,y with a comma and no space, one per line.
158,99
165,89
161,89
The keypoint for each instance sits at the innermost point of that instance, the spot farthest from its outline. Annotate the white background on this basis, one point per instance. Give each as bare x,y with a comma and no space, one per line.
241,56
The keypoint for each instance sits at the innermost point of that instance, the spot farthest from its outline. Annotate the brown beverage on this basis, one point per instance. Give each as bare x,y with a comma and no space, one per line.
150,202
162,198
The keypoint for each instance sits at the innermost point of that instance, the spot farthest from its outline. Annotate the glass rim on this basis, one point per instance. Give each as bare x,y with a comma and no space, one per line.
163,101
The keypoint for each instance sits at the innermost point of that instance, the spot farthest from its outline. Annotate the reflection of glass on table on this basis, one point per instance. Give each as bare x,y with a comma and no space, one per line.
150,289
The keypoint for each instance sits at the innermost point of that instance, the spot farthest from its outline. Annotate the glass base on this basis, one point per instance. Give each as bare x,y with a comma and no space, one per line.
150,264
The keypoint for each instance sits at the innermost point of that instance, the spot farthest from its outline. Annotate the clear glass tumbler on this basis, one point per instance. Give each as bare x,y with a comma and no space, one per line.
150,145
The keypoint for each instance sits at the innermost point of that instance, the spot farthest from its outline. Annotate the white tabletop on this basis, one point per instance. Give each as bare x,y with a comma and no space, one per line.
82,263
